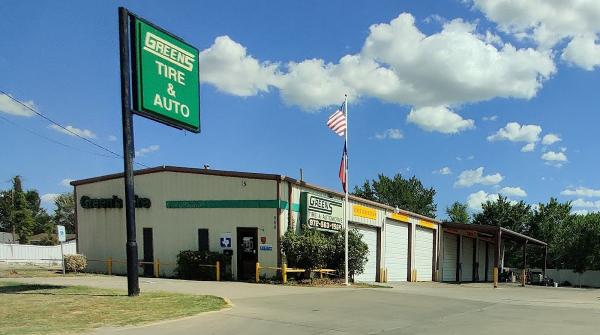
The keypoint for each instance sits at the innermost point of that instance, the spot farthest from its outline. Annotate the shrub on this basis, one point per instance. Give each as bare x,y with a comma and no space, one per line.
313,249
307,250
357,253
190,265
75,263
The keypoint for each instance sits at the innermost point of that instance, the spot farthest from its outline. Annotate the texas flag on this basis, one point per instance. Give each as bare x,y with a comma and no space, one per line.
344,167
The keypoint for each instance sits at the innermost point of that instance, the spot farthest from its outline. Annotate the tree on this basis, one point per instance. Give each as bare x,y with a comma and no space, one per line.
548,224
457,212
64,214
6,211
43,223
581,238
22,217
408,194
515,216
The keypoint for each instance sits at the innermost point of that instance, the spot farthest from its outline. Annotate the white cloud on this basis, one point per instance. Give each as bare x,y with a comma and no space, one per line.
513,192
392,134
112,138
554,158
581,192
227,66
9,106
143,151
583,51
550,22
313,84
475,200
471,177
580,203
490,118
398,63
73,131
515,132
440,119
529,147
444,171
49,198
580,212
66,182
550,139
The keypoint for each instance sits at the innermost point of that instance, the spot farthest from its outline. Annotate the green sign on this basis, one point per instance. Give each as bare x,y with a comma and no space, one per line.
165,82
321,213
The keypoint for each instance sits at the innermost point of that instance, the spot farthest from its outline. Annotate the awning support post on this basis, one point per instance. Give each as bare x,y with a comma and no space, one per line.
497,256
545,260
524,272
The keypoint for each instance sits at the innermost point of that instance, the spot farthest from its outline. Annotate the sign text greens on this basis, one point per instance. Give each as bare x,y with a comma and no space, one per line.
321,213
166,82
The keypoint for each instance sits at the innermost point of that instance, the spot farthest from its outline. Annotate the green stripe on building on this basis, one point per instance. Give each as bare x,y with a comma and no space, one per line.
231,204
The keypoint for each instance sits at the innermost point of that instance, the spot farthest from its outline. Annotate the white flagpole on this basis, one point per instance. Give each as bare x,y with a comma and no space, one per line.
347,186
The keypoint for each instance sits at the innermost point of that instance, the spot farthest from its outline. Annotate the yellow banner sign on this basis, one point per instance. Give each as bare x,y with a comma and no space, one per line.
364,212
427,224
400,217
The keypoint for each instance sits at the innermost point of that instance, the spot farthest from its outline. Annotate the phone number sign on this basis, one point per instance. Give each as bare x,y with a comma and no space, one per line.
165,82
321,213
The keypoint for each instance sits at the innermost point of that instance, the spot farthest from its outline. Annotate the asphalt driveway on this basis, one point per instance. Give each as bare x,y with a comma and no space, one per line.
408,308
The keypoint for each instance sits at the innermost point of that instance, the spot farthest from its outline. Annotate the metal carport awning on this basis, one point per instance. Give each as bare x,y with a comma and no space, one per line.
499,233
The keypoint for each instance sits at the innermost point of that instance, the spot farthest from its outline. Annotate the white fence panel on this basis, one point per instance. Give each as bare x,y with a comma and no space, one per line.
587,278
38,254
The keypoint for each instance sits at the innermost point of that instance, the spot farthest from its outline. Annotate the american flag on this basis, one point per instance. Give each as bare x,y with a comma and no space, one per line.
337,121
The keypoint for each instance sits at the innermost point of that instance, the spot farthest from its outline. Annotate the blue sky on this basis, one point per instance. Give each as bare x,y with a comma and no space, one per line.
475,98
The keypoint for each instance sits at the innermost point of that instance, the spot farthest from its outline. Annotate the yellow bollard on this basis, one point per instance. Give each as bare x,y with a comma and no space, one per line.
257,272
495,277
218,269
157,268
109,263
523,278
284,272
321,273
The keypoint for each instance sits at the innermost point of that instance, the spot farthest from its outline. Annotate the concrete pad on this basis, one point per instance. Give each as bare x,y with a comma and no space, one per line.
407,308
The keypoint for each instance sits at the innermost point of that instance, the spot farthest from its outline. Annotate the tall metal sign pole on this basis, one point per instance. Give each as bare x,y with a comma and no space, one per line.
133,287
165,89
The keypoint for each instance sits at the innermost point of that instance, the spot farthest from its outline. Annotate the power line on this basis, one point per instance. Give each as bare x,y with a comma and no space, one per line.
51,139
63,128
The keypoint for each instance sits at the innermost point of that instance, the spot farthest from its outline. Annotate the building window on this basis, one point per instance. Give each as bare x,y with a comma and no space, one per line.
202,239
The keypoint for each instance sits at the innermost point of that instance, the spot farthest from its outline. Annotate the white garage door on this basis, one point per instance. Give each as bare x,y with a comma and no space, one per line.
450,247
370,238
481,260
467,259
424,253
396,250
490,269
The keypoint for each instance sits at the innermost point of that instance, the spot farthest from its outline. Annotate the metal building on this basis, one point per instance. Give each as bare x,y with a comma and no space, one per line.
474,253
197,209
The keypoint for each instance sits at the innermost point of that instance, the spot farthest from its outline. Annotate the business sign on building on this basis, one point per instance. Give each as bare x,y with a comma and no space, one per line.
321,213
165,78
364,212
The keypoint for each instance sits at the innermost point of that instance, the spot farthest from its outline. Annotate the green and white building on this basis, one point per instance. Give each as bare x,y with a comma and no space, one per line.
201,209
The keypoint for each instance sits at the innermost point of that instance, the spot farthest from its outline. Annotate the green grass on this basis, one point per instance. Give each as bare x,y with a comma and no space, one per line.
49,309
31,271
